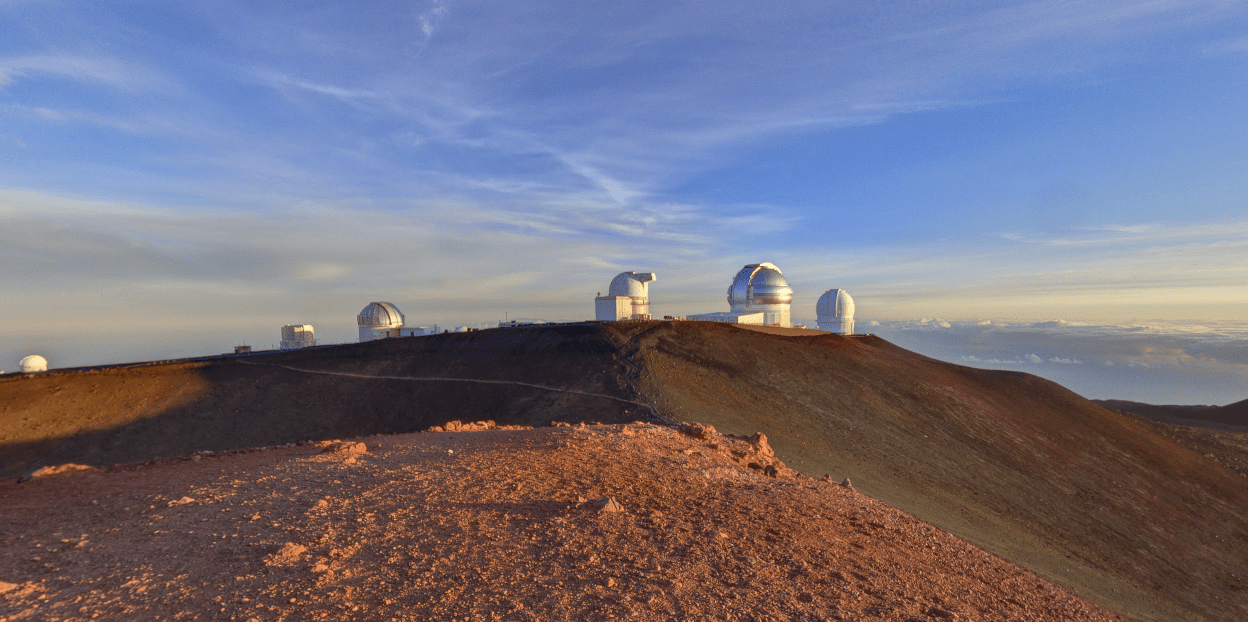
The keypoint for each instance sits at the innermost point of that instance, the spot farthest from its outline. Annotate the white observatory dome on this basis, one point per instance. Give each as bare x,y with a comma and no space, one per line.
631,284
628,298
380,315
835,303
34,363
836,312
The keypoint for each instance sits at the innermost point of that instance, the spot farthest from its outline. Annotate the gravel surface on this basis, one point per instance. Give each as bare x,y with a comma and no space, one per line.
628,522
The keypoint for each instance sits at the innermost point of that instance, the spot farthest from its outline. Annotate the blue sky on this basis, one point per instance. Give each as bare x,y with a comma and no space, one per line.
208,171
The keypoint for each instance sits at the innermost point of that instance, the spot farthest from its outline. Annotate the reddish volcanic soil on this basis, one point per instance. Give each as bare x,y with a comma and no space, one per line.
486,525
1147,522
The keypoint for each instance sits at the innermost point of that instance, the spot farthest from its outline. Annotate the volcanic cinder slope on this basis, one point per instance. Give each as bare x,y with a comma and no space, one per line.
494,525
1088,498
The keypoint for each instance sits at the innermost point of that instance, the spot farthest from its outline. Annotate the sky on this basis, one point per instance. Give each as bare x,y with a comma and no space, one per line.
177,178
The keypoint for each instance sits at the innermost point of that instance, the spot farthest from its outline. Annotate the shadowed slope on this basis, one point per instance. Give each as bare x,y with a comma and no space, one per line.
132,414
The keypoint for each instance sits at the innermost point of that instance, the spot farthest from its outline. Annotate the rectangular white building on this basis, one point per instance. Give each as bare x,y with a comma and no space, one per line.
297,336
755,318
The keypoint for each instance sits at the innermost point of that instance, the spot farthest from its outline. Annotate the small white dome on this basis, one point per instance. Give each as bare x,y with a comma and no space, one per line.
34,363
380,315
631,284
835,303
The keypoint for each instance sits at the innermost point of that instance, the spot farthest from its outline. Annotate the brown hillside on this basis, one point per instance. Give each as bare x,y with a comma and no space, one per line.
486,526
1088,498
1017,464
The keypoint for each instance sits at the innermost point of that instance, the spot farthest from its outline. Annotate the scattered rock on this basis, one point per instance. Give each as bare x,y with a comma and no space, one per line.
59,469
345,447
456,426
771,470
760,445
289,554
182,501
700,431
605,504
847,484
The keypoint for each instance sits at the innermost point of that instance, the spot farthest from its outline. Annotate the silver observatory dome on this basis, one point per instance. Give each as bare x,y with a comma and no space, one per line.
759,284
380,315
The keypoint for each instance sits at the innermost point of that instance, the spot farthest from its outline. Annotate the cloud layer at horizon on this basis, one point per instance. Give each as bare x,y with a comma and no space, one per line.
1155,362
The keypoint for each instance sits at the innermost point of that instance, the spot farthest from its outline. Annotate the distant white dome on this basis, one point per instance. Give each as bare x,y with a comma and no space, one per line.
631,284
34,363
836,312
380,315
835,303
759,284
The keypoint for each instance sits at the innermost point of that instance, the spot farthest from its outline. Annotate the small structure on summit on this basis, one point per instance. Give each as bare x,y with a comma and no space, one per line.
628,298
380,320
836,312
33,364
759,294
295,336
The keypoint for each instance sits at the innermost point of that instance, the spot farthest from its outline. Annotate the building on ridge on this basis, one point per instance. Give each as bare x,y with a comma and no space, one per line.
628,298
380,320
33,364
759,295
295,336
836,312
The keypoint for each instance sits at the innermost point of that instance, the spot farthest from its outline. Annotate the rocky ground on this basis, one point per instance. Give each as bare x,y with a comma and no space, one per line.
629,522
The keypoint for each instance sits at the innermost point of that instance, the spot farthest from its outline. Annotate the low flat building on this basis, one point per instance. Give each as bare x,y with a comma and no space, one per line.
754,318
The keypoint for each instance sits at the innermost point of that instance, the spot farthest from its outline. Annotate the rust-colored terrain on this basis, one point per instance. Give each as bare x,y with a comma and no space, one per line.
494,525
1093,500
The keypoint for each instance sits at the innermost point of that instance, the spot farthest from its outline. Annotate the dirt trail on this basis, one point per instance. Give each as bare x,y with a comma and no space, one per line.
493,525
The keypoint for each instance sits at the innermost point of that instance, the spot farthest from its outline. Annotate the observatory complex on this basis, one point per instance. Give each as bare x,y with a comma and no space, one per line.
380,320
758,295
628,298
836,312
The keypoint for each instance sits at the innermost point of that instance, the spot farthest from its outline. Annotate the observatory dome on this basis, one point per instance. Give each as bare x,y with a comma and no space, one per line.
628,298
836,312
631,284
835,303
380,315
759,284
34,363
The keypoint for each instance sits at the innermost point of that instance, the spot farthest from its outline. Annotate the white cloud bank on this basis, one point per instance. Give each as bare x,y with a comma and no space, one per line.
1162,362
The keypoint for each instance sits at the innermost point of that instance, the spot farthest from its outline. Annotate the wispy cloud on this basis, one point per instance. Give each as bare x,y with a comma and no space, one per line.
101,71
